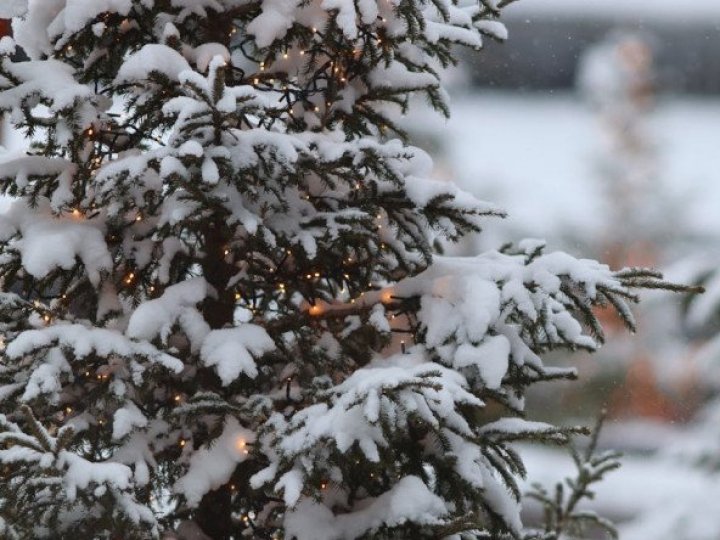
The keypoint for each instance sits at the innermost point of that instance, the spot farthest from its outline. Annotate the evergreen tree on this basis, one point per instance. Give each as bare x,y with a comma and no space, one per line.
222,307
617,77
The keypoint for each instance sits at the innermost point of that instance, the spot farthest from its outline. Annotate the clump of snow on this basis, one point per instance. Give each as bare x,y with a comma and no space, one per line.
58,86
275,19
81,473
7,47
203,54
491,358
152,58
45,379
85,340
47,242
78,13
211,466
231,350
51,243
126,419
156,317
408,500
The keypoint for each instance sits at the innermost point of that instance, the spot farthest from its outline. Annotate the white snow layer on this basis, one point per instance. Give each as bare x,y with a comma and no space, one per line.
231,350
153,58
156,317
12,8
211,466
408,500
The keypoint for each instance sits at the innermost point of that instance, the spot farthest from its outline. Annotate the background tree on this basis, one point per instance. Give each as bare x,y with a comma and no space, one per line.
697,445
223,305
618,78
563,514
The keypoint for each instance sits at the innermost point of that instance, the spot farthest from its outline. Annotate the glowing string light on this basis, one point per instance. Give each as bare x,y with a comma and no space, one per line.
241,445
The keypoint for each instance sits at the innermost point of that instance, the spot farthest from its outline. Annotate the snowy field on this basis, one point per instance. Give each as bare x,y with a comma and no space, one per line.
558,140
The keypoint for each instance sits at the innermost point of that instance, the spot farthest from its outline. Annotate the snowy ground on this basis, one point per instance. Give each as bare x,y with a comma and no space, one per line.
535,155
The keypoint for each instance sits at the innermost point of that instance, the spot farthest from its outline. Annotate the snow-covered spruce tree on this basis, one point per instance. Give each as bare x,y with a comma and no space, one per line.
221,306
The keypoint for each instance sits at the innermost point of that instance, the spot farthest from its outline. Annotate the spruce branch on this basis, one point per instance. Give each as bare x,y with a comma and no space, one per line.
562,517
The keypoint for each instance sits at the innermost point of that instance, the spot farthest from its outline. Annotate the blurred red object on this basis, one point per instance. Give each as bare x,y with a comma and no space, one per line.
5,28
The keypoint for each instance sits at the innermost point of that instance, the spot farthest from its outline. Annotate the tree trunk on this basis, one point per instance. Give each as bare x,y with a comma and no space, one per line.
214,512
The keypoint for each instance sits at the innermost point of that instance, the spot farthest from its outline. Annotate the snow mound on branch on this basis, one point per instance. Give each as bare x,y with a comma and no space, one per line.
46,378
231,351
27,167
397,76
78,13
153,58
126,419
275,19
203,54
346,14
84,341
513,426
408,500
81,473
156,317
212,466
57,84
491,359
47,242
31,32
